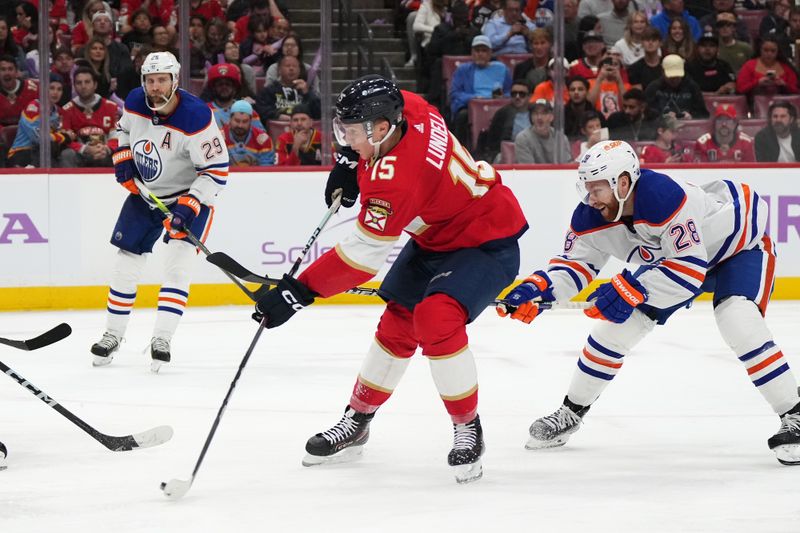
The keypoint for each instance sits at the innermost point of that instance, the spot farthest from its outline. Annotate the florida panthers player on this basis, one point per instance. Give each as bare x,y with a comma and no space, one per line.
689,240
414,176
169,145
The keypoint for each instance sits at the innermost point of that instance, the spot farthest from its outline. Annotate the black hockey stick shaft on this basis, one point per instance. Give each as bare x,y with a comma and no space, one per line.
115,444
47,338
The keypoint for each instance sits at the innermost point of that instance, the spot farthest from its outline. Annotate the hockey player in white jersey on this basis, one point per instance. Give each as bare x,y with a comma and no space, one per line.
689,239
170,146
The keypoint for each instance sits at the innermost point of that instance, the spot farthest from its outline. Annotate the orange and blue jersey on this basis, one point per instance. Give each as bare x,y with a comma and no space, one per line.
28,129
254,150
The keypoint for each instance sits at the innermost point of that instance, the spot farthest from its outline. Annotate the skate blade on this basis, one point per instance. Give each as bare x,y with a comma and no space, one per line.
100,360
536,444
155,366
468,473
353,453
788,454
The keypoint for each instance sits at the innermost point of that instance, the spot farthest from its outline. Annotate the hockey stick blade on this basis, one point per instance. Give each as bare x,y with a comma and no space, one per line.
175,489
146,439
228,264
47,338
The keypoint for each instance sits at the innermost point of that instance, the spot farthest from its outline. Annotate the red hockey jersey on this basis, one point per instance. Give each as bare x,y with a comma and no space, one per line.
93,123
429,186
12,104
707,150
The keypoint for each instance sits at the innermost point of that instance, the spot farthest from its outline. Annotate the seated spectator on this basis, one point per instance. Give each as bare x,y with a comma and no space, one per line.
430,14
89,120
119,56
63,61
26,31
162,12
711,74
483,10
256,49
278,29
592,131
223,88
588,65
678,41
665,149
571,27
674,9
479,78
537,144
292,46
648,69
636,122
197,31
24,152
631,46
615,21
605,90
8,47
248,145
598,7
767,73
534,69
15,94
577,106
258,8
546,89
232,56
82,31
732,51
675,93
776,24
779,141
708,23
141,31
509,34
794,35
450,38
507,122
217,34
725,142
163,41
302,144
207,9
276,100
95,57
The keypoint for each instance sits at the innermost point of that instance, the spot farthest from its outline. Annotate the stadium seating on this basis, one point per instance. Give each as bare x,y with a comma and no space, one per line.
761,103
639,145
692,129
752,126
507,153
449,65
480,112
752,19
512,60
738,101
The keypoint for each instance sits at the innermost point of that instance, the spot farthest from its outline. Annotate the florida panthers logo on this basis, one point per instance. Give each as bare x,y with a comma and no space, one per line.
148,160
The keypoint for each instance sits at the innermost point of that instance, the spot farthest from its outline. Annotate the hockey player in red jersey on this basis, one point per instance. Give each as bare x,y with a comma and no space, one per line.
413,176
725,142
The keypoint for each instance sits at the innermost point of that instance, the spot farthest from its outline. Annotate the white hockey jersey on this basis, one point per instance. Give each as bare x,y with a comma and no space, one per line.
679,231
177,154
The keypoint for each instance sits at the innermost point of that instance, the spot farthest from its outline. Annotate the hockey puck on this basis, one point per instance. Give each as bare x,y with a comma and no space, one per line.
163,485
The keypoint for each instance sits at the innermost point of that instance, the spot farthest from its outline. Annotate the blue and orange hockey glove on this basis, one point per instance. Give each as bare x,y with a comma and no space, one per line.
125,168
184,212
615,301
518,303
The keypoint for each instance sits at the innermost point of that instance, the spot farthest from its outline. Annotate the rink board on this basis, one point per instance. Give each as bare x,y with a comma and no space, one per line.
55,230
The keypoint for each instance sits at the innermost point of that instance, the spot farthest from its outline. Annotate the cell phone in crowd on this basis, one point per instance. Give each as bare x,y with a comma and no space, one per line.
770,73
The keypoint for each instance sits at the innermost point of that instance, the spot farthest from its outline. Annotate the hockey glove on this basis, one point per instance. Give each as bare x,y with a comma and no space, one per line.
344,176
281,303
125,169
615,301
518,302
183,214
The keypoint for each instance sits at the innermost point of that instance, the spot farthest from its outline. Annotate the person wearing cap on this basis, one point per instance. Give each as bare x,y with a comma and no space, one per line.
606,90
302,144
725,142
711,74
675,93
593,48
24,152
223,88
479,78
506,123
779,141
615,21
673,9
534,69
537,144
665,149
731,50
508,34
276,100
546,89
647,69
248,145
708,22
768,73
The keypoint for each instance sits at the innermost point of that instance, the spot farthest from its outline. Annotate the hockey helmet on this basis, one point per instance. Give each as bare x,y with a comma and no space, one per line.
361,103
608,160
161,63
225,71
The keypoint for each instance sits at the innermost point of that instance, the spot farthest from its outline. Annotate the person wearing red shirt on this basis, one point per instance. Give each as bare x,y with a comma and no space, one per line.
15,94
726,143
162,11
302,144
768,73
208,9
665,149
414,177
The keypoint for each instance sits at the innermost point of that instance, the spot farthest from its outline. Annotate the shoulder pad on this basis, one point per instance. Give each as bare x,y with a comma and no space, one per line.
193,114
745,137
657,199
586,218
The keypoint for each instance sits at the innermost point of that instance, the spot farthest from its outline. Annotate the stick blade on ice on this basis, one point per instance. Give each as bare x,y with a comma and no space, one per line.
153,437
175,488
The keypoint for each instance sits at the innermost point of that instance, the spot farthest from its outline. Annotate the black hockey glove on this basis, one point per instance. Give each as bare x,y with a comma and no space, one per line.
344,176
281,303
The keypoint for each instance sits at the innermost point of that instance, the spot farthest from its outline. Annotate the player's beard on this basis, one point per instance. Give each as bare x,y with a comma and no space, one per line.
610,211
158,100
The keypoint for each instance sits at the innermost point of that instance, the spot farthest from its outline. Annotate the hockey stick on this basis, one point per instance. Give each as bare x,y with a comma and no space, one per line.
176,488
147,439
59,332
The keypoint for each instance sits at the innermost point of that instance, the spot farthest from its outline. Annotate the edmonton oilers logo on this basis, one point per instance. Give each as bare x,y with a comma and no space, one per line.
148,160
645,253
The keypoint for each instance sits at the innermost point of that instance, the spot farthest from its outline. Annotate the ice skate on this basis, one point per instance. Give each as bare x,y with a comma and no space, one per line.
3,453
554,430
104,349
786,442
159,351
468,446
342,443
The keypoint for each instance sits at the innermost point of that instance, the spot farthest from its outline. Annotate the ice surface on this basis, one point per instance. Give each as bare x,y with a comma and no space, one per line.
676,444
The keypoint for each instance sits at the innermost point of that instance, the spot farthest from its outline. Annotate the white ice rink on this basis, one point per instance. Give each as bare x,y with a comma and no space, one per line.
676,444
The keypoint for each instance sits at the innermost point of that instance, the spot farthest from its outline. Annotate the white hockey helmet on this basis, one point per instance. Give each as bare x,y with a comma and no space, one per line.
161,63
608,160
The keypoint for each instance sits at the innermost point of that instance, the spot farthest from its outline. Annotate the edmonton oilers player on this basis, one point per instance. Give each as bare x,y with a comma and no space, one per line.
464,224
689,240
169,145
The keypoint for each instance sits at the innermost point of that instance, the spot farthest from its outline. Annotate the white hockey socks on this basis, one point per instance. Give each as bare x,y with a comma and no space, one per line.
380,374
603,354
741,325
456,379
174,292
122,292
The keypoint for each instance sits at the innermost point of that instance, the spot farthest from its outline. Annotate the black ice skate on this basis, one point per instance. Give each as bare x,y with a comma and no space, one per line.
465,457
554,430
159,351
3,453
786,442
104,349
342,443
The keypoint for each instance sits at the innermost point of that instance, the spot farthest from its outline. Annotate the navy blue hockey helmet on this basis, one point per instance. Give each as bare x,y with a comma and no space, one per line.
369,98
